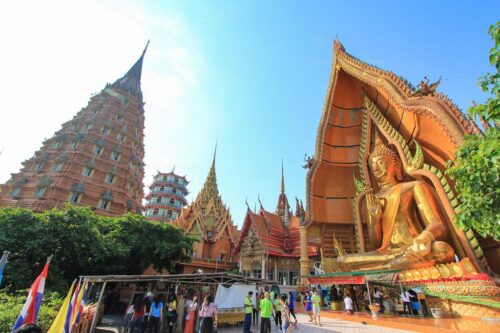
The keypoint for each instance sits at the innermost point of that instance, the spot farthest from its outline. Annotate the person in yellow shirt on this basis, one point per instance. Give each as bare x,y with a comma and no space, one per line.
316,302
266,309
248,312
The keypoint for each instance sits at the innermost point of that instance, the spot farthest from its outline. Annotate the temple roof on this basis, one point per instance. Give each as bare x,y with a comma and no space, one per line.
208,212
432,120
274,237
131,81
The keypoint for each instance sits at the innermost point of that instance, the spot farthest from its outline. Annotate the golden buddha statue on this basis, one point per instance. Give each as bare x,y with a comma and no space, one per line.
405,223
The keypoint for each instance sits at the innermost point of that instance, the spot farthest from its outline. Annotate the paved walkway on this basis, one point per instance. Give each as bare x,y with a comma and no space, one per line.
327,325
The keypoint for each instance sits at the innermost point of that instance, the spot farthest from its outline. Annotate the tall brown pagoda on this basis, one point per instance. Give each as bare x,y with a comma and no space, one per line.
94,160
208,219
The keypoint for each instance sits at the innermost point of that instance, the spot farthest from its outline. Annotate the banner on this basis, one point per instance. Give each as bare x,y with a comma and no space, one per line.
325,280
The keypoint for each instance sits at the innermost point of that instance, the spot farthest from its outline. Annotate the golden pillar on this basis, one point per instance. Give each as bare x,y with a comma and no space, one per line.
304,258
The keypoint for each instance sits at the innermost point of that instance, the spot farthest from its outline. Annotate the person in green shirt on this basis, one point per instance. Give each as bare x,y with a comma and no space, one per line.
266,309
316,302
277,309
248,312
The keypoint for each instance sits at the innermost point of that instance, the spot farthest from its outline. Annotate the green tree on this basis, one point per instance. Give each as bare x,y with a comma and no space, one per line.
84,243
490,83
476,169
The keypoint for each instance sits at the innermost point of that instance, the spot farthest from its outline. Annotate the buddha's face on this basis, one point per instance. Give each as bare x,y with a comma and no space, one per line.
378,165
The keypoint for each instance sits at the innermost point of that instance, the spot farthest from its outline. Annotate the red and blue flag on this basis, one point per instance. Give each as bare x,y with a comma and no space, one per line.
29,312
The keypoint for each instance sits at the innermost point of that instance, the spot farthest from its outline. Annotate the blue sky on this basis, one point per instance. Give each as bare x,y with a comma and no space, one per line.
251,75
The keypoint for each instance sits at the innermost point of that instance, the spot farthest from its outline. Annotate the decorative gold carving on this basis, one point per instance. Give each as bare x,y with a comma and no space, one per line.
359,185
338,247
417,161
462,309
426,88
443,271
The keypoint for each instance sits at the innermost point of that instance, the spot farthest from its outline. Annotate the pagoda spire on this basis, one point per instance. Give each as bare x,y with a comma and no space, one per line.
210,186
282,178
131,81
282,208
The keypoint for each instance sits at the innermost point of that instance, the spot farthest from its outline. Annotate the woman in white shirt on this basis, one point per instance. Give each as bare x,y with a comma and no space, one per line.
348,304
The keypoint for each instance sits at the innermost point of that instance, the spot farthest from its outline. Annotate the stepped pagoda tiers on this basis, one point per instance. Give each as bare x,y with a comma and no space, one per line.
209,220
94,160
166,198
376,191
269,244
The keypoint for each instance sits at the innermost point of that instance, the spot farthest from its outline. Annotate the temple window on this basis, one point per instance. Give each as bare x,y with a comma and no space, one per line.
174,190
87,171
103,204
162,188
105,130
57,144
169,213
74,144
89,125
121,136
74,127
98,150
75,197
158,199
15,192
38,166
119,117
110,179
156,211
40,191
172,201
115,156
58,166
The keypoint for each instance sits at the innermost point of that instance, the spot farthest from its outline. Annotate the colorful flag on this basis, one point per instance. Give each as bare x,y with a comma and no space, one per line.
29,312
58,324
3,262
78,308
71,307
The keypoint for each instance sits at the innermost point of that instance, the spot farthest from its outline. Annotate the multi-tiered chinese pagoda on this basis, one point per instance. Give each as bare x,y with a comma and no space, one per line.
94,160
166,198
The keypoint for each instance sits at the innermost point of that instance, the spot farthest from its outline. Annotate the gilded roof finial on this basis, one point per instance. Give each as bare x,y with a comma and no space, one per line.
282,178
215,155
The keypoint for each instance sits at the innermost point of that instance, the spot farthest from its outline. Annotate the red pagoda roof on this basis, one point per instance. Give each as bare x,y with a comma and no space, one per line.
276,239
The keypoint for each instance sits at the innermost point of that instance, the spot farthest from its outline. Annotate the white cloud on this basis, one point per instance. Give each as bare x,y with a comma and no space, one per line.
55,54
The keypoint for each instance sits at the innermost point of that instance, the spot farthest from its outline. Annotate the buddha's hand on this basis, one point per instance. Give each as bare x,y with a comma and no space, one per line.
373,205
422,244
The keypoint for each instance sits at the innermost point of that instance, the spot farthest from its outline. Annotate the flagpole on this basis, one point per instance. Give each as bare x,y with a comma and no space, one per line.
94,320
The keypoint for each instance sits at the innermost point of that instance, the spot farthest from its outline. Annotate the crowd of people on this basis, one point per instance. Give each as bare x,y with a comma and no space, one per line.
152,312
268,304
357,298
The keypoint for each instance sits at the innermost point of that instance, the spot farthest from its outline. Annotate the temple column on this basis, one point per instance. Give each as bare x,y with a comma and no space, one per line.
304,258
276,270
263,268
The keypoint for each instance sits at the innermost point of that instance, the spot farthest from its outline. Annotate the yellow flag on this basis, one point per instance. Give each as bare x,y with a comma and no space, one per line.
58,324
